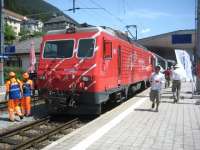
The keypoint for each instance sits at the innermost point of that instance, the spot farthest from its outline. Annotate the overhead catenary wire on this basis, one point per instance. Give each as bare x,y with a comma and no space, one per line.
117,18
109,12
97,14
123,24
89,13
49,12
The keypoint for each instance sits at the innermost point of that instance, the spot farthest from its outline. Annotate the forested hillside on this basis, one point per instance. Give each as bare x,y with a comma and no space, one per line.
37,9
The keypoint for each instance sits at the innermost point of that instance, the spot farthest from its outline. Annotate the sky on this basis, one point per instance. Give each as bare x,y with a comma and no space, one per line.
152,17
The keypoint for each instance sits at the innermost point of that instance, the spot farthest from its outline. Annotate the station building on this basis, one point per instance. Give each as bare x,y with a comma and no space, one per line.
165,44
21,56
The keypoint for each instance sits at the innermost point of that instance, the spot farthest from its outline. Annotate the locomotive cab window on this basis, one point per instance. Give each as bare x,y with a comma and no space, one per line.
86,48
58,49
107,49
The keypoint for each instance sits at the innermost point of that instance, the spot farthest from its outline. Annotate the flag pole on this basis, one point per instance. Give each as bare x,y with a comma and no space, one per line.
2,42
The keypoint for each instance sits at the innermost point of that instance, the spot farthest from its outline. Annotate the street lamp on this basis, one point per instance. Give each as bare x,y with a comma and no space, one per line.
135,27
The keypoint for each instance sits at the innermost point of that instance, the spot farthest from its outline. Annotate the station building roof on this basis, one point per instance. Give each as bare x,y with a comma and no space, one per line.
23,47
165,44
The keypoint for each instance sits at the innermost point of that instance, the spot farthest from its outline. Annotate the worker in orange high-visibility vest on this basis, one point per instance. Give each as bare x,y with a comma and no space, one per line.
27,86
14,91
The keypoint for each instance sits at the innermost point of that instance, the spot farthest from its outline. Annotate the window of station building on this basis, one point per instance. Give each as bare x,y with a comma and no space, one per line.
58,49
86,47
13,61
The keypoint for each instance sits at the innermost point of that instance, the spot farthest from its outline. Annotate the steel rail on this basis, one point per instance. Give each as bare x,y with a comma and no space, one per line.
38,137
44,136
24,127
3,105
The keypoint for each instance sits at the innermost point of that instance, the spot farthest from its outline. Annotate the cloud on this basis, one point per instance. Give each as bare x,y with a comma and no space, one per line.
145,14
145,30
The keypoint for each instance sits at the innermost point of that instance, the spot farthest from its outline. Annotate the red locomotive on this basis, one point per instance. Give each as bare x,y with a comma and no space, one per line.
80,69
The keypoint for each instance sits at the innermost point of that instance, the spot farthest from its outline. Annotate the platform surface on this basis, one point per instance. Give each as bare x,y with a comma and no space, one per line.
135,126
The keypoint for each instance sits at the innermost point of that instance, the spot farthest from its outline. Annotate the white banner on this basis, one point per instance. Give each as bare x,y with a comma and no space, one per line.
183,59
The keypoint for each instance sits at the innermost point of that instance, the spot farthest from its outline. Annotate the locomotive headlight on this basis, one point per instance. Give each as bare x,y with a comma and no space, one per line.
86,78
42,77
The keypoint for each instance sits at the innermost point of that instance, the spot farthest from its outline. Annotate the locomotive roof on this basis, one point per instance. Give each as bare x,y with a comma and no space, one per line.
108,30
82,29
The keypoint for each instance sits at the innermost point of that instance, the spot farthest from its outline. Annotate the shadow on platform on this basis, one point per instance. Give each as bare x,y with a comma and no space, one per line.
185,103
180,102
166,101
197,102
183,92
168,97
181,97
140,109
166,92
141,96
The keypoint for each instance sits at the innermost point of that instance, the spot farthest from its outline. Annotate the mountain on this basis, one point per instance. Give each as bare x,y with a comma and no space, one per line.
37,9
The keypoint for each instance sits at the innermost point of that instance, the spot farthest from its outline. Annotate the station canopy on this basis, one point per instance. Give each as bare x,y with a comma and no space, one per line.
165,44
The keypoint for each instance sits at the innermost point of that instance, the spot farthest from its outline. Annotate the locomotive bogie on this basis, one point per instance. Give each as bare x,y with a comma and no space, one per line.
77,103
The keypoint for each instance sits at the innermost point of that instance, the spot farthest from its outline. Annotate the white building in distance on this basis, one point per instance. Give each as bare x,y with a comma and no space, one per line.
13,19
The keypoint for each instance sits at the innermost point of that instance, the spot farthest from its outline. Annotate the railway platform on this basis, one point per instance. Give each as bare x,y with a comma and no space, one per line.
38,111
135,126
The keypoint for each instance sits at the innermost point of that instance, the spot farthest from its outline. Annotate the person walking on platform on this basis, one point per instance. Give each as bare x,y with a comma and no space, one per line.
176,83
156,80
167,77
27,86
14,91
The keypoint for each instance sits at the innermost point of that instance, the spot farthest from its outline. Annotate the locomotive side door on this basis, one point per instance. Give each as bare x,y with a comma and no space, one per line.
153,62
108,63
119,65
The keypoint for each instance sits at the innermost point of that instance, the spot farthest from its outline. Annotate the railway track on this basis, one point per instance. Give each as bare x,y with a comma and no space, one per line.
33,134
3,105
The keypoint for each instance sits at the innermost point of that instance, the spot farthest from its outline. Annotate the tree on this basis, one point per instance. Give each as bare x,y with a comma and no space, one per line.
9,34
24,34
38,33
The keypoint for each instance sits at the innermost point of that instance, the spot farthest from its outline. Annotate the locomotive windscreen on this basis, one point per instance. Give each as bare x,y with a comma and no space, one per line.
58,49
86,47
